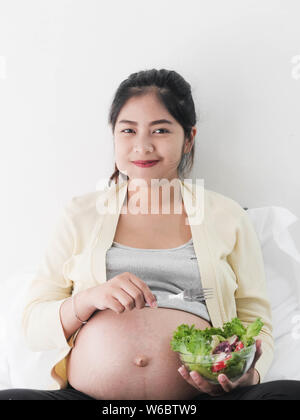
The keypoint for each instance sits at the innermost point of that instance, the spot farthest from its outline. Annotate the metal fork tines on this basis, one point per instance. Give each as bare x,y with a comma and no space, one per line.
198,294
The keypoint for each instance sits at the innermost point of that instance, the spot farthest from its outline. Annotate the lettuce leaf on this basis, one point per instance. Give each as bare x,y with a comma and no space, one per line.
190,340
235,327
252,331
193,341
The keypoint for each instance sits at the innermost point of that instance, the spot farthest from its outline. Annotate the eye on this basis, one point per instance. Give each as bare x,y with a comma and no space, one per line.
164,129
125,130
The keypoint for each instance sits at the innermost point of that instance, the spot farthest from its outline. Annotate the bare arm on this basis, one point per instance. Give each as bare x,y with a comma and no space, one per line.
123,292
84,309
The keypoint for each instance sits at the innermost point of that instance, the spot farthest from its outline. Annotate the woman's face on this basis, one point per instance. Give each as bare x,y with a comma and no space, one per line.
144,140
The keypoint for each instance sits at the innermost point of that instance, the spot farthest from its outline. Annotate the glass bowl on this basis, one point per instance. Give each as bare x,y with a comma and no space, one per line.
233,364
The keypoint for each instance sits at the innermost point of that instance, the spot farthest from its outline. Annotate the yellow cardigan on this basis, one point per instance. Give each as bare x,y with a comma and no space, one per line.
226,245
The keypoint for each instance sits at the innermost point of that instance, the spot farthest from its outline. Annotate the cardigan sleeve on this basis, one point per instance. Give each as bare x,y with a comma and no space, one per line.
49,288
251,296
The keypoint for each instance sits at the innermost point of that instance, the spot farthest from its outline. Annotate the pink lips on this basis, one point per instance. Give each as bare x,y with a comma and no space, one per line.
145,163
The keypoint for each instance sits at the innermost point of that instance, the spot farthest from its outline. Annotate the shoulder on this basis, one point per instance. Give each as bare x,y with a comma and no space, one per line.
83,206
88,204
84,201
222,206
218,198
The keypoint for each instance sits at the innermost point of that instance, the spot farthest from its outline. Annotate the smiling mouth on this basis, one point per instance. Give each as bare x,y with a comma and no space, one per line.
144,161
144,164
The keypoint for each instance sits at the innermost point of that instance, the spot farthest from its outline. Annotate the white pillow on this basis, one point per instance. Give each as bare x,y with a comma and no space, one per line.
22,368
282,268
19,366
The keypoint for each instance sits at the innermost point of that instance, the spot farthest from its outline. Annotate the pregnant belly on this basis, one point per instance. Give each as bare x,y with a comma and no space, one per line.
128,356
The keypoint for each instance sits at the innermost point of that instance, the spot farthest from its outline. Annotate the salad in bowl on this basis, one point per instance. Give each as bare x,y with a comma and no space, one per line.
213,351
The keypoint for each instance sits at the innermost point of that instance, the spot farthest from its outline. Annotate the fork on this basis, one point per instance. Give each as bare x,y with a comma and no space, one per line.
197,294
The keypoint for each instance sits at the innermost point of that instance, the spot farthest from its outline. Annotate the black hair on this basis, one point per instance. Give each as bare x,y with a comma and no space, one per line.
175,94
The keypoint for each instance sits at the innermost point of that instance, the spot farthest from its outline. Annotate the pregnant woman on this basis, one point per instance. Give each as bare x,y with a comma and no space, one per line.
114,249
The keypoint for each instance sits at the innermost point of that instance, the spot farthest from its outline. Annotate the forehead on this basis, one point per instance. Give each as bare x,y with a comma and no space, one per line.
144,108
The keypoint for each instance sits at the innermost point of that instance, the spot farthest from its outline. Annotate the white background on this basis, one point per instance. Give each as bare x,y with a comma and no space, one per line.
61,62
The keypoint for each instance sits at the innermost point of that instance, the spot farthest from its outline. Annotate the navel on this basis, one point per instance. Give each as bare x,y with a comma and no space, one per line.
141,361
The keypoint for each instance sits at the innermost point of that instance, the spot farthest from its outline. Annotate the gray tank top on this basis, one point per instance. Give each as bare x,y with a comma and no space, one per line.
163,270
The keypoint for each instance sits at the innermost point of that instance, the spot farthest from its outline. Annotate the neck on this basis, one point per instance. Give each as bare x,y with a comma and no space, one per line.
165,199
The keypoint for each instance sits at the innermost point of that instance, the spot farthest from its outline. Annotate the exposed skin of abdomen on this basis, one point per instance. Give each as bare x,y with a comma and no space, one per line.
128,355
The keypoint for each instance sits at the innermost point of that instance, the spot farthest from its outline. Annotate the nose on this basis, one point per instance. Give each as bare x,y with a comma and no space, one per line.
143,147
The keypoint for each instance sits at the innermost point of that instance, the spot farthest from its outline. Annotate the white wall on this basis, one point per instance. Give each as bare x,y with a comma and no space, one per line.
61,62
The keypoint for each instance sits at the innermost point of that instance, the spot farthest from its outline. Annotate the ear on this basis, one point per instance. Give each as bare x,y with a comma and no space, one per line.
190,142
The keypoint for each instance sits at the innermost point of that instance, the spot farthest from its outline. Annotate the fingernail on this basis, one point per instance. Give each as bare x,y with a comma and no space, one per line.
222,378
181,370
153,303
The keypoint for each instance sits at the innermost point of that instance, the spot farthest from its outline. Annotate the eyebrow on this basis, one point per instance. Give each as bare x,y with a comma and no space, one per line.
163,121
